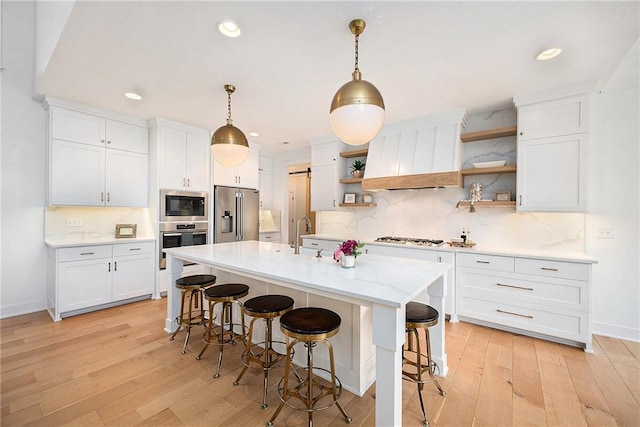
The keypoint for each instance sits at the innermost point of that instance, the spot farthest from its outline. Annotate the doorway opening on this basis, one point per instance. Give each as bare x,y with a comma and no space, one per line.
300,200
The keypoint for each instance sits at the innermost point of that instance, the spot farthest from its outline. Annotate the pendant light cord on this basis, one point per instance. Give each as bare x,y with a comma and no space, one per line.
357,38
229,121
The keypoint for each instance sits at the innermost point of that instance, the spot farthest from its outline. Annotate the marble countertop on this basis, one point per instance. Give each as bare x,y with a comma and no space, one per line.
376,279
549,254
88,240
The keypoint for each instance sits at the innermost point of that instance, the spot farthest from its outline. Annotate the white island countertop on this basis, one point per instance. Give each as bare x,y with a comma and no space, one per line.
385,284
376,279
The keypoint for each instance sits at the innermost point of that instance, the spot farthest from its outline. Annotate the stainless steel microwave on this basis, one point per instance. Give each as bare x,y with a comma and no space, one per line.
184,205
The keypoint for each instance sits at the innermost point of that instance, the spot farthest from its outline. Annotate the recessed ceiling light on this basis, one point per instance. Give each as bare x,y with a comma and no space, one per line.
254,134
548,54
229,28
132,95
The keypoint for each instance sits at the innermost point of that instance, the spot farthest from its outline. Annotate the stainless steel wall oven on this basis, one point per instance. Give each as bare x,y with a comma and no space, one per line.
173,235
184,206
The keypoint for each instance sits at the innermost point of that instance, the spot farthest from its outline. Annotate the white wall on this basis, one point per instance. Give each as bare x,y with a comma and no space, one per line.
23,168
614,202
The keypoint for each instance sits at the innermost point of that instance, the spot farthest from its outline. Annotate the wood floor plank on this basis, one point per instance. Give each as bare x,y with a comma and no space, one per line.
117,367
528,399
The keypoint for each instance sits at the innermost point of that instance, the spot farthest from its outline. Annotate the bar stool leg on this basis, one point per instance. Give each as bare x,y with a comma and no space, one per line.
347,418
431,364
207,332
249,343
285,390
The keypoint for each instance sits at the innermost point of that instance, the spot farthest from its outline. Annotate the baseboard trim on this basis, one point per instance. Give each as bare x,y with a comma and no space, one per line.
20,309
615,331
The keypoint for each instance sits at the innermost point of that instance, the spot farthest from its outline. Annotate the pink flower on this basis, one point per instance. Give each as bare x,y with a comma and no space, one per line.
337,255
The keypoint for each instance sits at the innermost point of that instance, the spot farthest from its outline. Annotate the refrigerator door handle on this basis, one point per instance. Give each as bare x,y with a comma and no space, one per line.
239,216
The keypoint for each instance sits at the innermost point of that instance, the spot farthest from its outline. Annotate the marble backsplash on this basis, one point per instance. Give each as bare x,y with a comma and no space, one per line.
97,222
432,213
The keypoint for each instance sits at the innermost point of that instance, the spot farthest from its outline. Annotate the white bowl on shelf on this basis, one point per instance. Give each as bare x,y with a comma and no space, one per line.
494,164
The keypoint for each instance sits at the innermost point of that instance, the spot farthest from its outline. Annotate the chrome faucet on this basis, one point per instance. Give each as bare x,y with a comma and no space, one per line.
297,243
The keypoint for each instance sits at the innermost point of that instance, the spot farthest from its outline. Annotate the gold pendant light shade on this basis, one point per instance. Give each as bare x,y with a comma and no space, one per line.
229,145
357,110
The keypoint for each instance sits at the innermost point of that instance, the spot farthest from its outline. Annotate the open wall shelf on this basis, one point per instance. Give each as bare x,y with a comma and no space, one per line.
489,134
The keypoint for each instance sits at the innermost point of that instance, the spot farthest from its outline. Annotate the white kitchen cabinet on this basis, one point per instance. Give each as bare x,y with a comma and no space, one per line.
270,237
266,181
326,167
95,161
133,266
245,175
541,297
184,156
552,155
557,117
86,278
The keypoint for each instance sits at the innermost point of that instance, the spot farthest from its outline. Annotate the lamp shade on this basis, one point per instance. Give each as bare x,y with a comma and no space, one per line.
357,112
229,146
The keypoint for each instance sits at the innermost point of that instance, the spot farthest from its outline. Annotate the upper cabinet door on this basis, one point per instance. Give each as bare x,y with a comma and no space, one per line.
123,136
197,162
173,144
559,117
73,126
552,174
77,175
248,174
126,179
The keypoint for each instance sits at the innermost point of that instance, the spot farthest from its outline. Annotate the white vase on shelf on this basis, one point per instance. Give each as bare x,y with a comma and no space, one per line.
348,261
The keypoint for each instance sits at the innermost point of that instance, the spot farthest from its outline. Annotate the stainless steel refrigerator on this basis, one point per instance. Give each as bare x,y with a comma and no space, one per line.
235,214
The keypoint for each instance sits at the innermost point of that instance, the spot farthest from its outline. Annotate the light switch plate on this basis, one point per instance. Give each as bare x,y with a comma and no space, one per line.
605,233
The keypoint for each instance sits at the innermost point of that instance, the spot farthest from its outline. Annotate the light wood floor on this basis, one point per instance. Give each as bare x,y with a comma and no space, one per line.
117,367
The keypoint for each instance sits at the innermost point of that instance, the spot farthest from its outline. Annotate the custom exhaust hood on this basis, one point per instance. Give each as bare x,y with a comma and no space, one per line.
421,153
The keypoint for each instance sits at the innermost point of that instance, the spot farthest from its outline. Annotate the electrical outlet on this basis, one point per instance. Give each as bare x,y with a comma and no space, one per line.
74,222
605,233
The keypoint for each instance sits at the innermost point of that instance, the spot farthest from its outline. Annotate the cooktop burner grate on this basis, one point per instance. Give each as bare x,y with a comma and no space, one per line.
410,241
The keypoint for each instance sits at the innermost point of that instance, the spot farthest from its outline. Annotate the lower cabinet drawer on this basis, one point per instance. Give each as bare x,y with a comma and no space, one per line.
560,269
568,324
134,248
486,262
327,245
497,286
81,253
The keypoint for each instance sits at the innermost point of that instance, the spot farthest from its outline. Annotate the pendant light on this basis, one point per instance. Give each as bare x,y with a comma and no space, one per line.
228,144
357,109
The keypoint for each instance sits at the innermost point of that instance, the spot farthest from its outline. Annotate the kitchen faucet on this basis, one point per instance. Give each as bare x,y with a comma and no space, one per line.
297,243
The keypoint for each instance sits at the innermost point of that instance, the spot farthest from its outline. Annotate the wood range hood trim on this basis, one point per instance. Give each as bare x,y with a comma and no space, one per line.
408,182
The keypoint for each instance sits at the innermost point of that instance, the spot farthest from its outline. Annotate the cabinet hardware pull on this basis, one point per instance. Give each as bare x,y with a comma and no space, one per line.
515,314
188,182
521,133
108,142
115,265
102,196
521,200
314,244
102,141
134,249
87,253
184,182
439,259
483,262
548,269
514,286
108,197
109,267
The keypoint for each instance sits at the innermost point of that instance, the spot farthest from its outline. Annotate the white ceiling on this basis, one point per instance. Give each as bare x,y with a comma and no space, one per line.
424,57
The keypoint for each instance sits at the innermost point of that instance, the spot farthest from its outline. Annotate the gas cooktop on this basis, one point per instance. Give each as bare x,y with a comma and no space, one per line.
410,241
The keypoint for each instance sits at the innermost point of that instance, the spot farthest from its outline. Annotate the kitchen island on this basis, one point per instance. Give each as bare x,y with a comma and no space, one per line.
379,286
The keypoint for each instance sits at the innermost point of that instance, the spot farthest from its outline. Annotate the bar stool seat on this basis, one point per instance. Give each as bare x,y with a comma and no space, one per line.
227,295
415,363
192,286
309,326
262,354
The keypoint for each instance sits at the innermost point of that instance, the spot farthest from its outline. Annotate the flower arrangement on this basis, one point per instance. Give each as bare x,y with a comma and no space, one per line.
347,248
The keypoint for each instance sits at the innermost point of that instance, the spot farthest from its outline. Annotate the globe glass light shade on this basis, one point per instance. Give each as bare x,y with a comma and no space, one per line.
357,124
229,146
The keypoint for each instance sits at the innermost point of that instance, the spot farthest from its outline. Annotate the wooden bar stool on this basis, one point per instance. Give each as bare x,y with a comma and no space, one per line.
415,363
262,354
227,295
310,326
193,286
